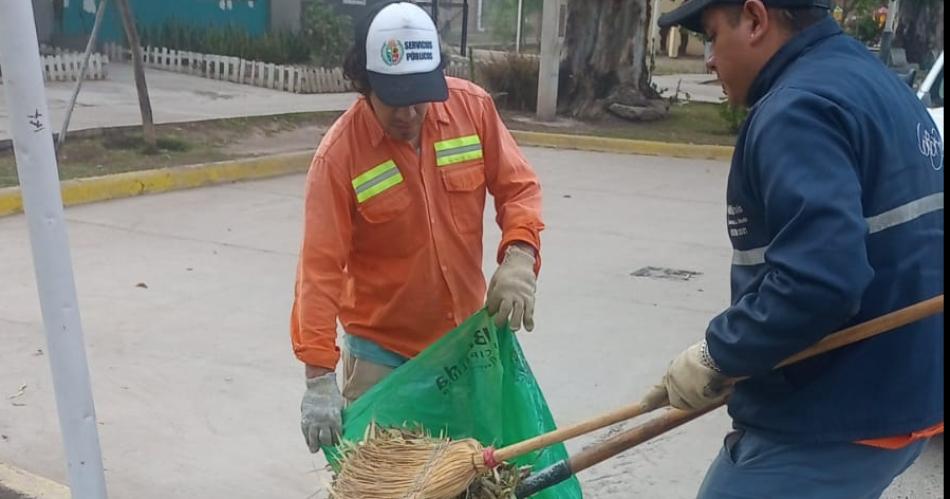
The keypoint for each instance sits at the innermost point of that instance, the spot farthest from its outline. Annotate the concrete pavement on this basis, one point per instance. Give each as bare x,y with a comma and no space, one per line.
699,87
185,297
174,97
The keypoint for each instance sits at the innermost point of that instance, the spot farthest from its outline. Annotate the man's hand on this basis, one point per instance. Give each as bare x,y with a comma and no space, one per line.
511,292
320,412
692,382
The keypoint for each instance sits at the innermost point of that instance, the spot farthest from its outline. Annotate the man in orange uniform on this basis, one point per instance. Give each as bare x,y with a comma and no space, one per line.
394,215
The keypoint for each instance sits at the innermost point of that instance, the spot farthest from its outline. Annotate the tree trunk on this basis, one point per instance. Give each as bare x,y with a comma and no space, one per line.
606,59
145,106
920,28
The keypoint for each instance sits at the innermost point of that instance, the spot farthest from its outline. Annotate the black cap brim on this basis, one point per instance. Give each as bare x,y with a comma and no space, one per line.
410,89
689,15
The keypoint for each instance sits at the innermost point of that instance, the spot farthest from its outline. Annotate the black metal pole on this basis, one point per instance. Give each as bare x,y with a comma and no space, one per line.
435,13
464,27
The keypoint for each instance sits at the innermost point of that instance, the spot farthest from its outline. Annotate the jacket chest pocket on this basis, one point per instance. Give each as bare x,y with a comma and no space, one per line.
384,204
465,187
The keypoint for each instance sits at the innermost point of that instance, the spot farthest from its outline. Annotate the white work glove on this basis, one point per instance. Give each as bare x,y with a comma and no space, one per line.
692,382
320,412
511,291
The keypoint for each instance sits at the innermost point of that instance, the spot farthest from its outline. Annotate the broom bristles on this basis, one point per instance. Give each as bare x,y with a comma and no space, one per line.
410,467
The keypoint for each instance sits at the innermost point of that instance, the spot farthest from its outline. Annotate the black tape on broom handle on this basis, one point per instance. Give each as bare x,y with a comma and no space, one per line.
562,470
547,477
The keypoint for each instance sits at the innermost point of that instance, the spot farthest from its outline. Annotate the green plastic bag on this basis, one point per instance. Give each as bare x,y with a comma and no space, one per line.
472,383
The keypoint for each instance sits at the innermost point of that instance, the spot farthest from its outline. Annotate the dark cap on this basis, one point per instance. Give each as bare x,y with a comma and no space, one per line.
690,14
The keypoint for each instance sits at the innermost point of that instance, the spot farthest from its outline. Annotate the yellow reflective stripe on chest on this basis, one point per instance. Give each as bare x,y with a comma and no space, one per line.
376,180
452,151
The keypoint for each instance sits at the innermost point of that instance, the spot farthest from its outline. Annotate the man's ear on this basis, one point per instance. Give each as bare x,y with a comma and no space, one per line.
756,13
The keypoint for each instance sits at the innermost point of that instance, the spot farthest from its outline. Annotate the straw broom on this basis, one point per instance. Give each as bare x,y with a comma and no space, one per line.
427,468
403,464
422,467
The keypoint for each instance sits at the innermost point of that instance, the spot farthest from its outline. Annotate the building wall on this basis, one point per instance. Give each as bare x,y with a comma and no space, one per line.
285,15
252,15
44,18
694,46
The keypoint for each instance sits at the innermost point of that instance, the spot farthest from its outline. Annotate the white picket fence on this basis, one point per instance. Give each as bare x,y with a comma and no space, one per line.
65,66
287,78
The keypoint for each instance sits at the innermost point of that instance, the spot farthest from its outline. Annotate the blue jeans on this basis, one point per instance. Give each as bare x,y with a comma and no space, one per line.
750,466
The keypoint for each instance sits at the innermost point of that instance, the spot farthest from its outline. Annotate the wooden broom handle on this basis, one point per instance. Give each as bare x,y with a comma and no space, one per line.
675,417
569,432
562,470
634,436
873,327
844,337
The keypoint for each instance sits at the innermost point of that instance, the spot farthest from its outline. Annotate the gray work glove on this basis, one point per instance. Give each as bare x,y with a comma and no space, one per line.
692,382
320,412
511,292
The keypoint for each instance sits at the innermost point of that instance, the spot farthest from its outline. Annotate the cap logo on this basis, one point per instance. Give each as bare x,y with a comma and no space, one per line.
392,52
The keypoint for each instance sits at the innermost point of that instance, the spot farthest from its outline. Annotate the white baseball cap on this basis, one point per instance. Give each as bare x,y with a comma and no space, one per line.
403,57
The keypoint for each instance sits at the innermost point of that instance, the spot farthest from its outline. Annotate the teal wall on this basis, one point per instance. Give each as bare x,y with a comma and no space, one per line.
252,15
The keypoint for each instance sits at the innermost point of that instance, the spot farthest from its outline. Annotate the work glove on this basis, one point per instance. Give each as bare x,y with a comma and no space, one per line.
321,412
511,291
692,382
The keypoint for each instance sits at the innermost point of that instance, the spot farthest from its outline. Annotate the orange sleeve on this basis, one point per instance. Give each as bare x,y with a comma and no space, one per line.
320,271
513,184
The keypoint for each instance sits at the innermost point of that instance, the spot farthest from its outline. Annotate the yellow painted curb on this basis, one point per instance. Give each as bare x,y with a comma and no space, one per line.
622,146
121,185
30,485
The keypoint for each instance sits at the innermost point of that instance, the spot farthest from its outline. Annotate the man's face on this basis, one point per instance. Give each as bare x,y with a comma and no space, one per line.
732,54
400,123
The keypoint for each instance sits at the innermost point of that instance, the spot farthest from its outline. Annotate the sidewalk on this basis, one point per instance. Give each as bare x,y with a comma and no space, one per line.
174,97
700,87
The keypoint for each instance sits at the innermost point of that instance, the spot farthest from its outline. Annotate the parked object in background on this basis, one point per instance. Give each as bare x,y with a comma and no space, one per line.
931,93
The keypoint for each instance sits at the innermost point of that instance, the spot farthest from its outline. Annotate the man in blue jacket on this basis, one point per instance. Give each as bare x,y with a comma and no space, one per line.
835,213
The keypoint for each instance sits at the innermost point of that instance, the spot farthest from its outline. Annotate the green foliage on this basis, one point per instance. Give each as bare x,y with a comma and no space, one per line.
859,19
278,47
512,79
503,17
323,39
867,30
327,33
734,116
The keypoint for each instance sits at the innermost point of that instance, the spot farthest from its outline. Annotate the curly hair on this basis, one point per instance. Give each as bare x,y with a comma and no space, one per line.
354,63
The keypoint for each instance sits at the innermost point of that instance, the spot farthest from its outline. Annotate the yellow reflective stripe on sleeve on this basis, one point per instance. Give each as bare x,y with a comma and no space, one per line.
452,151
376,180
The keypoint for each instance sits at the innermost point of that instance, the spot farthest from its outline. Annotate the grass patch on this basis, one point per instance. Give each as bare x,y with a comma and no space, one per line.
123,150
690,123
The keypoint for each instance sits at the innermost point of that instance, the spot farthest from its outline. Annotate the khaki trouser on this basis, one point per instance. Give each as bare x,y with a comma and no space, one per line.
359,375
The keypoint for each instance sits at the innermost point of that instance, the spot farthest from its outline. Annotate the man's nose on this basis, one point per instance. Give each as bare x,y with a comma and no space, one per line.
405,113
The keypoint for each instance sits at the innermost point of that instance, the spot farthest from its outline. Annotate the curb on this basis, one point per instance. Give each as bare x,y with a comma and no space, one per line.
622,146
123,185
29,485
